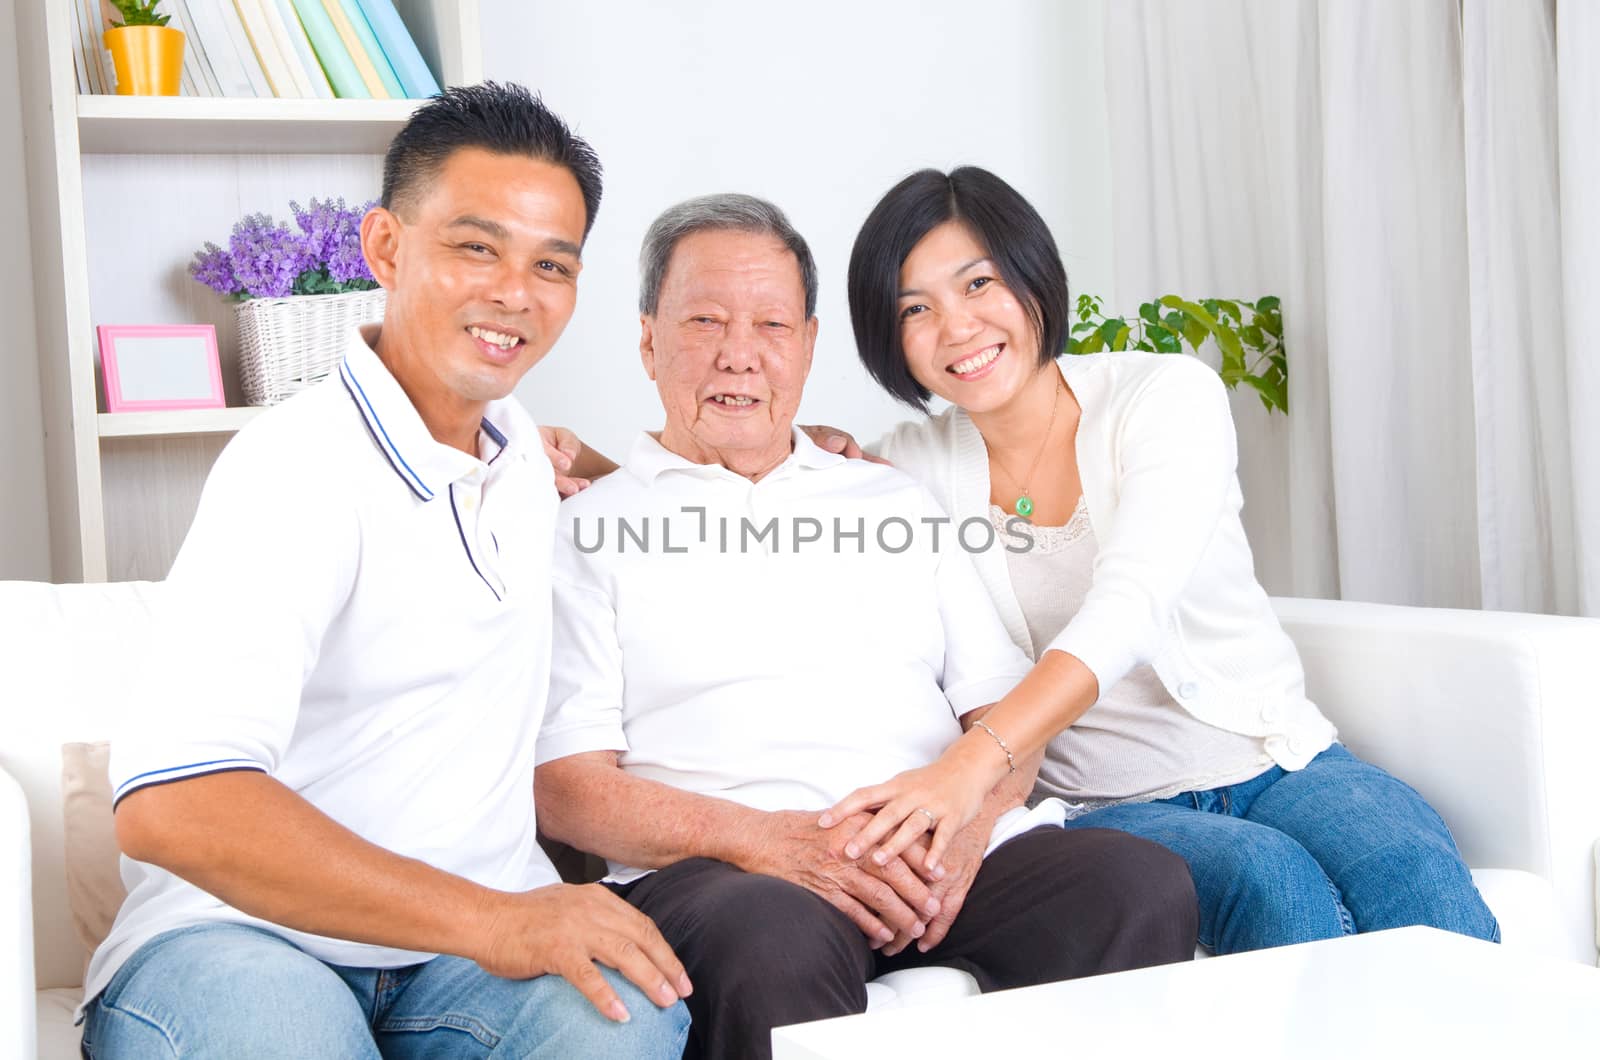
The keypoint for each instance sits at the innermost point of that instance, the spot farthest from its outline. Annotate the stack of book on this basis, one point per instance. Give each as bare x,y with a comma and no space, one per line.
295,49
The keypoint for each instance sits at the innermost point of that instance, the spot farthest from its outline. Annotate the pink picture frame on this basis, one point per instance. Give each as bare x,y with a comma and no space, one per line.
160,367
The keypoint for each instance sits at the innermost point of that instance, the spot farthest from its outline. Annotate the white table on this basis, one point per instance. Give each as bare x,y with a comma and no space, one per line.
1413,992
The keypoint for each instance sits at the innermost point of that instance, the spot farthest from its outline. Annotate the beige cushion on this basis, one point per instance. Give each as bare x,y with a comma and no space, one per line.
94,878
58,1037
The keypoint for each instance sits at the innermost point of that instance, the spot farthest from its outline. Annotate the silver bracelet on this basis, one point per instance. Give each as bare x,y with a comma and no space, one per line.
1011,761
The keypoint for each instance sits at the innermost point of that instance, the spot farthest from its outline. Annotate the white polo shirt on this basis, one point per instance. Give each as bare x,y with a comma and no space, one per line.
362,613
739,639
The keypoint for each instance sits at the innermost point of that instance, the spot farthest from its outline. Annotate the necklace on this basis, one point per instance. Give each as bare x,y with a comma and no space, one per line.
1024,503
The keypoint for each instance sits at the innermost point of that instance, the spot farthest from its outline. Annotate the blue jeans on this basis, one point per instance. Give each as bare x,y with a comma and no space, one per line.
228,990
1333,849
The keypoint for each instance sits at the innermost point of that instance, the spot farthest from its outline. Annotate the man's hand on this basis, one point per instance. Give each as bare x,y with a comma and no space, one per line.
563,929
884,901
836,441
961,864
563,447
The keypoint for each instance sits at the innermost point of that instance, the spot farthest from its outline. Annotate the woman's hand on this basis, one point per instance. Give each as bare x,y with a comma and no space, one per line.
942,797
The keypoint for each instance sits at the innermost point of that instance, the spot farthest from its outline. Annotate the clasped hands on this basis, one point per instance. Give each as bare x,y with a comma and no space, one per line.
896,902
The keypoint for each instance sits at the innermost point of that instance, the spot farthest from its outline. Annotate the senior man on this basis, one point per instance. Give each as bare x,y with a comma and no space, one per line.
324,802
748,627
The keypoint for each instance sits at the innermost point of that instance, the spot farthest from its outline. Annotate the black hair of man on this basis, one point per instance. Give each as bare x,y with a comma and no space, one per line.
505,119
1005,224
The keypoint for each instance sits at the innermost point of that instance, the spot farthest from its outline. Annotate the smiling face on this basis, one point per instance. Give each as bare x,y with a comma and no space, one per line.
966,335
482,277
729,347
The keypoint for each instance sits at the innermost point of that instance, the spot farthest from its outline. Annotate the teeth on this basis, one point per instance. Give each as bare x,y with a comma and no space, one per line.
972,364
729,399
505,342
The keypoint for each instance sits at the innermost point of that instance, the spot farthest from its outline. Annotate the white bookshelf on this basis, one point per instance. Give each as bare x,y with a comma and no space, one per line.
197,125
121,191
174,424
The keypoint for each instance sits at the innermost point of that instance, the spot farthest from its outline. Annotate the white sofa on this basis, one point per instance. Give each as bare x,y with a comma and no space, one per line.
1491,716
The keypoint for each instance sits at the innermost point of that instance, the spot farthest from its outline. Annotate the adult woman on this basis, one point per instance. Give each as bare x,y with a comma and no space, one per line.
1164,695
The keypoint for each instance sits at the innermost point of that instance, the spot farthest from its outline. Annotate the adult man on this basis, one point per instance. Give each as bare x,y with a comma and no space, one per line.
335,785
748,627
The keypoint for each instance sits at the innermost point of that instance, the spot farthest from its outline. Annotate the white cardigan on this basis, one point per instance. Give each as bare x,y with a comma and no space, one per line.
1174,584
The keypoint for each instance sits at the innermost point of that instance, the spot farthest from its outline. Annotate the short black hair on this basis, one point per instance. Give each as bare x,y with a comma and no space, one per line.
505,119
1001,220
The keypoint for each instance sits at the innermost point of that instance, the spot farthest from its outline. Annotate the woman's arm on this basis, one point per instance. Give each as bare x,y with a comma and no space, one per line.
1176,457
948,793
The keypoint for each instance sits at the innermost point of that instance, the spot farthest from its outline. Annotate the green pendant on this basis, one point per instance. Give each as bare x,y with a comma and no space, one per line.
1024,506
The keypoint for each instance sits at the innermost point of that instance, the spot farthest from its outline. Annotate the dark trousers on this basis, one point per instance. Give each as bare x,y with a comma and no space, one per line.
1048,905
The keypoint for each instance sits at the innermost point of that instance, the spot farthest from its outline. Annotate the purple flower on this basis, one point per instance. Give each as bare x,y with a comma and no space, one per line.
268,257
213,267
347,264
333,234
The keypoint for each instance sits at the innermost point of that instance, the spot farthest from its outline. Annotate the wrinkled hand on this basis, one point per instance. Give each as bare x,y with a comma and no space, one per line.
841,442
884,900
951,790
563,929
563,447
961,864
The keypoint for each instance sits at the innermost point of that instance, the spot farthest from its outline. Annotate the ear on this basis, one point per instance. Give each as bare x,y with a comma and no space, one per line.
810,344
380,243
647,346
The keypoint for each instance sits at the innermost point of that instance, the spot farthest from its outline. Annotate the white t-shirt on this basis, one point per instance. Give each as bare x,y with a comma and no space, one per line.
363,614
777,643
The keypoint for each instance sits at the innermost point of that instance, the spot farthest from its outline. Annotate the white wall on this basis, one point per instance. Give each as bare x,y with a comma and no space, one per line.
819,107
820,111
24,524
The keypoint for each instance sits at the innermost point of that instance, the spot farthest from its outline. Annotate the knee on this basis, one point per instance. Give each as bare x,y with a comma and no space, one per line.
1264,889
554,1018
650,1032
1417,882
1148,887
772,929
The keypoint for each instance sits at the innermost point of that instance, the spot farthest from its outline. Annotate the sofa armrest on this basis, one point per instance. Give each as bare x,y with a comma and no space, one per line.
1490,715
18,1012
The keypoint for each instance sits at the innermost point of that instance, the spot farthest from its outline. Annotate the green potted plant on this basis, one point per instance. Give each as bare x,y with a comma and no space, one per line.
1249,335
147,53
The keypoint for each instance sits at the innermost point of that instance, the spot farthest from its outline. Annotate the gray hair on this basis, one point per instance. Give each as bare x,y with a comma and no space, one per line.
728,211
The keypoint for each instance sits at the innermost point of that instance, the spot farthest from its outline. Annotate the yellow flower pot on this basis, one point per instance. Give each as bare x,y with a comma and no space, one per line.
149,60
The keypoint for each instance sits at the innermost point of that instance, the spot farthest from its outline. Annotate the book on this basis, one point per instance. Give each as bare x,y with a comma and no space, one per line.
237,74
400,48
96,60
279,80
336,61
194,53
369,44
79,64
302,48
285,48
352,45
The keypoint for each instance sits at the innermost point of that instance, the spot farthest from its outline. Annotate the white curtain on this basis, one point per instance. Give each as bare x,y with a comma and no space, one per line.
1419,181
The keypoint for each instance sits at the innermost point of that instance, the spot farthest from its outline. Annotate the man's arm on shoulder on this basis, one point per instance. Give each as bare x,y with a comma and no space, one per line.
576,464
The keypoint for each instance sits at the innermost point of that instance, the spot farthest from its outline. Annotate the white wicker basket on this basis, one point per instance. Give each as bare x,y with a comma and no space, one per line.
288,344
